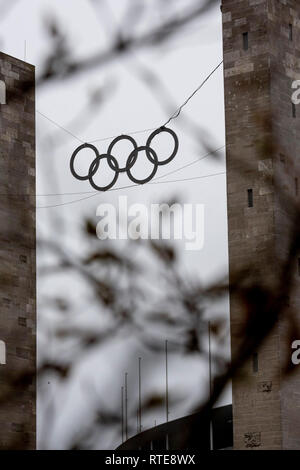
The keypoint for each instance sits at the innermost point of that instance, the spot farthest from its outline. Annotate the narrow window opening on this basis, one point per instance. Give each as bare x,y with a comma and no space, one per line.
294,110
22,321
296,187
245,41
290,32
250,198
255,362
282,158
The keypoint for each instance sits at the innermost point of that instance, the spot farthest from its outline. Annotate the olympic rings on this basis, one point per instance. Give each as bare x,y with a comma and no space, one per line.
131,160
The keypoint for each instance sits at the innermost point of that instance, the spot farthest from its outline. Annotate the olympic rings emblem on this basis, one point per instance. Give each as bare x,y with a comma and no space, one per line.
131,160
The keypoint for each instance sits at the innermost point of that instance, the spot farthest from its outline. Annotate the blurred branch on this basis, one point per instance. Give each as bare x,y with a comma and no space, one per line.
60,65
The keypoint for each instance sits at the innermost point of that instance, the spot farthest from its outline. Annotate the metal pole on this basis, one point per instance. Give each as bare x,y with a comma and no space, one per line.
210,390
122,411
167,386
140,396
126,402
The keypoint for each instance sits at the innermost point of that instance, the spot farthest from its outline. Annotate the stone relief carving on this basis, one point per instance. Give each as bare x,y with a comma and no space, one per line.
265,387
252,439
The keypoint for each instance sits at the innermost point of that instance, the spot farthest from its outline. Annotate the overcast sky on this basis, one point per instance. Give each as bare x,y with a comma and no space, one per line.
181,65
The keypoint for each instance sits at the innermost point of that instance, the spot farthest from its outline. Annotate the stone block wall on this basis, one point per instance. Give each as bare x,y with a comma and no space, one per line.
261,59
18,255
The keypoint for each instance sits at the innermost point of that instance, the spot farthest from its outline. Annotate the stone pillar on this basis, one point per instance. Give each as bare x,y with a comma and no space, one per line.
17,255
261,60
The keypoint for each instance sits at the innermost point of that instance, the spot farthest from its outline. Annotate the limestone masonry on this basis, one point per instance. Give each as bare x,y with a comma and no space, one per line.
261,61
17,254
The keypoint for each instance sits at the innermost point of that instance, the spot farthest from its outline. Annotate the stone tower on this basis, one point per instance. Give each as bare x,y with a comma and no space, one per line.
17,255
261,61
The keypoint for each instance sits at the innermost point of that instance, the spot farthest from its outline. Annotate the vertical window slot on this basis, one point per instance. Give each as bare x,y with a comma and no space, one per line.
245,41
250,197
290,32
